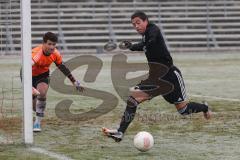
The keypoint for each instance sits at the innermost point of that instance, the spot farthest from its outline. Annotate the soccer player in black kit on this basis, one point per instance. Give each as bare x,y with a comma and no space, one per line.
164,78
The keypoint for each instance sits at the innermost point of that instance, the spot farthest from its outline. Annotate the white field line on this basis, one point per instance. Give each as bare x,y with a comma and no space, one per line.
217,98
48,153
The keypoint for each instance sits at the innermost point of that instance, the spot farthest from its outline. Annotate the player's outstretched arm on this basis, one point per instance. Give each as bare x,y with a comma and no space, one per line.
67,73
133,47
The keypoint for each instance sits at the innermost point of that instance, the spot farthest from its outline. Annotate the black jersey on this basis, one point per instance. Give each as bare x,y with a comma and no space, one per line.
154,46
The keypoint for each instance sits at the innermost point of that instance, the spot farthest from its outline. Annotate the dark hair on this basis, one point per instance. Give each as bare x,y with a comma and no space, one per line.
50,36
139,14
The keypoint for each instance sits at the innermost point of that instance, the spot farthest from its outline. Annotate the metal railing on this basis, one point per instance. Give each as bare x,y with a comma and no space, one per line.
210,33
60,31
161,26
9,47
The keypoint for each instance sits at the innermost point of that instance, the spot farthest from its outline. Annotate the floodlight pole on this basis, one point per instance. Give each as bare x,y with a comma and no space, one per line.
27,70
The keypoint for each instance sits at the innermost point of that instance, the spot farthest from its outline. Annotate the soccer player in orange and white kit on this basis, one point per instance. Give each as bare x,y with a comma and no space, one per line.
42,57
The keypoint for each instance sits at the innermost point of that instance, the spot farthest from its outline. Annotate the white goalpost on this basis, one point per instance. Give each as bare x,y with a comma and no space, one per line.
26,70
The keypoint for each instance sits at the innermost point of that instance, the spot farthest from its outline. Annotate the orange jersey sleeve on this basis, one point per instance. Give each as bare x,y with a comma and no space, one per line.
42,62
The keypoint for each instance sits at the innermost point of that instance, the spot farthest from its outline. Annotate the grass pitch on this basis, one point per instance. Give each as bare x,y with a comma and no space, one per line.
212,77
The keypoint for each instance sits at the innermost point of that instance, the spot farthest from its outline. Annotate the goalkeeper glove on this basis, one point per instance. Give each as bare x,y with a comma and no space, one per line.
125,45
78,86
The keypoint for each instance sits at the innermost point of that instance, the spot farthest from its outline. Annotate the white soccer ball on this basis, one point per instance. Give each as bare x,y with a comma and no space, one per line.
143,141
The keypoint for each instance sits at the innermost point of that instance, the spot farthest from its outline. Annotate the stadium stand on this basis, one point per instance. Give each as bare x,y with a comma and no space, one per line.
85,26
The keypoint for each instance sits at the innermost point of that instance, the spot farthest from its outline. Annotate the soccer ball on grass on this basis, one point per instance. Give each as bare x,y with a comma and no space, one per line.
143,141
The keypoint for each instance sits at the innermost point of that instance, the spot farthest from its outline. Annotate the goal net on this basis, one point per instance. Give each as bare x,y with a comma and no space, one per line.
12,113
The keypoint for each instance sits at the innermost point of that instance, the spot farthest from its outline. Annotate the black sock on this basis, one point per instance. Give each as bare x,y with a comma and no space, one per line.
193,107
129,114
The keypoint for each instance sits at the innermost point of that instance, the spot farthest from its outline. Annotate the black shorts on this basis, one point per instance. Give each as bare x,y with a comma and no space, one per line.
171,86
44,77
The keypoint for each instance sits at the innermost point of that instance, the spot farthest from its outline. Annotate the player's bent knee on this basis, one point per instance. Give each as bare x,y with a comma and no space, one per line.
141,99
140,96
